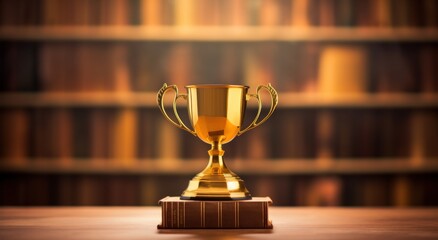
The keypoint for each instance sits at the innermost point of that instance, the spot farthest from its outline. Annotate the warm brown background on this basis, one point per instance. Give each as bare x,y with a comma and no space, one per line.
357,123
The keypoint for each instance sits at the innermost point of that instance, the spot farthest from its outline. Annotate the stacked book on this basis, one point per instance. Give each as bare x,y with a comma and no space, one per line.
192,214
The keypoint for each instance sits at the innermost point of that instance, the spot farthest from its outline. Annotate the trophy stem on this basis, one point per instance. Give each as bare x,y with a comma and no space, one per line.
216,181
216,164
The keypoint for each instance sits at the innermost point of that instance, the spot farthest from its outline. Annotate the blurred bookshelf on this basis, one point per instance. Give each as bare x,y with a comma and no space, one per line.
356,125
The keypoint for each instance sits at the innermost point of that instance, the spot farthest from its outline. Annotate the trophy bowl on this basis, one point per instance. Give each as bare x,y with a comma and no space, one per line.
216,113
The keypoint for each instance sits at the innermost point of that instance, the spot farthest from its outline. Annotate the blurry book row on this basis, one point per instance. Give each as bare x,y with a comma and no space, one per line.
301,13
127,135
343,190
328,69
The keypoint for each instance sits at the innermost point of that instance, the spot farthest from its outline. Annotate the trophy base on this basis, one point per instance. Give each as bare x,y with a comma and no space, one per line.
216,198
221,187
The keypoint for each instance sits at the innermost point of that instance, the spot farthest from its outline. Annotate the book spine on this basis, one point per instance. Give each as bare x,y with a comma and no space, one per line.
343,70
125,135
14,127
300,13
62,135
99,134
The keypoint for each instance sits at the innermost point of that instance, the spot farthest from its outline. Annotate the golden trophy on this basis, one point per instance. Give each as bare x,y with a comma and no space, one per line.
216,113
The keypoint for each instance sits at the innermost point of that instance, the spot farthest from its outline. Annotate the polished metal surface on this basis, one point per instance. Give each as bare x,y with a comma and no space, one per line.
216,114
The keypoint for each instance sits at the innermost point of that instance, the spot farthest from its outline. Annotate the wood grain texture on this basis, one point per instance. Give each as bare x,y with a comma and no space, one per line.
289,223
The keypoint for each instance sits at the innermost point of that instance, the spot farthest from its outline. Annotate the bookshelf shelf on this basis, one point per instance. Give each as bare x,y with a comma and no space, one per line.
218,34
148,100
240,166
78,99
299,100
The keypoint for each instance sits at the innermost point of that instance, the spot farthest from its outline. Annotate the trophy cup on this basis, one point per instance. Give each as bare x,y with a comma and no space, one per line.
216,113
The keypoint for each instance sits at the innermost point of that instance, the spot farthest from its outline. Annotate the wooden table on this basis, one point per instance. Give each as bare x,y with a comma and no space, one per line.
108,223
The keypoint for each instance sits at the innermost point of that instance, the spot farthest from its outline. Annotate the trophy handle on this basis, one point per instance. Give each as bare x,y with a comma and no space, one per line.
274,102
160,102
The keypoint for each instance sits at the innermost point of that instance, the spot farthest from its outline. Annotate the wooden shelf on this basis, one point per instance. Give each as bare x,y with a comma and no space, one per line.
378,100
217,34
241,167
286,100
100,99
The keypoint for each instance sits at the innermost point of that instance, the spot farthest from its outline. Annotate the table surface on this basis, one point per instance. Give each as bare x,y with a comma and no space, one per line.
289,223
